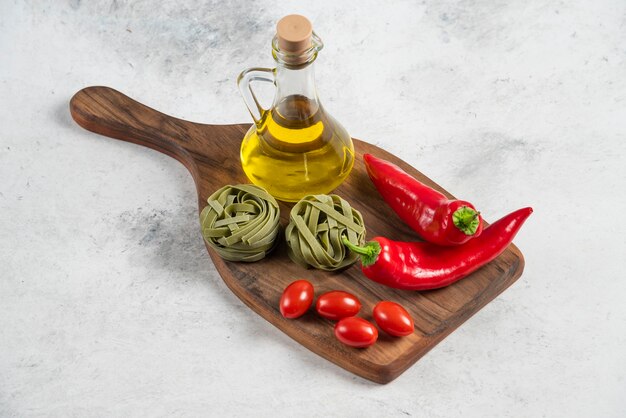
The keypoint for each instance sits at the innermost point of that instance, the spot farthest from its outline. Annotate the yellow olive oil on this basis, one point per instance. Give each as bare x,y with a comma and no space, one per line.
297,149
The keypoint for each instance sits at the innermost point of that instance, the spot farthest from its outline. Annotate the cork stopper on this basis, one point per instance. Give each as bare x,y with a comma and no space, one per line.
294,34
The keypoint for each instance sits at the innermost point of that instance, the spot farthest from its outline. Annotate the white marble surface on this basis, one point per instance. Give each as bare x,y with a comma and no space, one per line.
109,305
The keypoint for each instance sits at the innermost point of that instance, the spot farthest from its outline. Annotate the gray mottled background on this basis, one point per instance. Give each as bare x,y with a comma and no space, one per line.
109,305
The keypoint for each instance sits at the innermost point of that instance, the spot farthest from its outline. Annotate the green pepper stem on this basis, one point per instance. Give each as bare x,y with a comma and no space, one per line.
369,253
466,219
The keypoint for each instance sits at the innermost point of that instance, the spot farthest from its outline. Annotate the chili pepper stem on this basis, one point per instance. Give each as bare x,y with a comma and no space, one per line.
466,219
369,252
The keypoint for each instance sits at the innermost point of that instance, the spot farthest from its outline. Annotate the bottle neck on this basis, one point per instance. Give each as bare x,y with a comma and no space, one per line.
296,95
296,83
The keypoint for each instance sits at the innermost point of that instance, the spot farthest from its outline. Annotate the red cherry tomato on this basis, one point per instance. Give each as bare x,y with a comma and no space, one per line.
393,319
356,332
297,298
336,305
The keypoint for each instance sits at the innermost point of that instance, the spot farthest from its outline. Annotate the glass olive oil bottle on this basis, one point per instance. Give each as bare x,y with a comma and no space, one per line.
295,148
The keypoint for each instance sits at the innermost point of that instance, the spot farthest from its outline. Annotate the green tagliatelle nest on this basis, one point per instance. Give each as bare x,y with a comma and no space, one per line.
317,223
241,222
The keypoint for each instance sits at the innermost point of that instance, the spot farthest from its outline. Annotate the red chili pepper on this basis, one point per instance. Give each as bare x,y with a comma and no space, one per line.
423,265
432,215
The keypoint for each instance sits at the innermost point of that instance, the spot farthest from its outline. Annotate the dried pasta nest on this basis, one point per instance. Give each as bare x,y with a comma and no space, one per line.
241,222
317,224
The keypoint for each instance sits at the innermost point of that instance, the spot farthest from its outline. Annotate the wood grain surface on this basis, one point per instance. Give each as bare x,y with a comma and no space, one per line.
211,154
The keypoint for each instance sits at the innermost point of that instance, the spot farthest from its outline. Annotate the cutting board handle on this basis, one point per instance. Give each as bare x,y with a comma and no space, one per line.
108,112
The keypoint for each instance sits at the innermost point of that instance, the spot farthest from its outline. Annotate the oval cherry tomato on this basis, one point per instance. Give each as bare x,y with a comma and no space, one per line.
356,332
297,298
337,304
393,319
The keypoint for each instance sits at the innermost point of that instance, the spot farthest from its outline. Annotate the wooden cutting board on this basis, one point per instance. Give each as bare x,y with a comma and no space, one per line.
211,154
